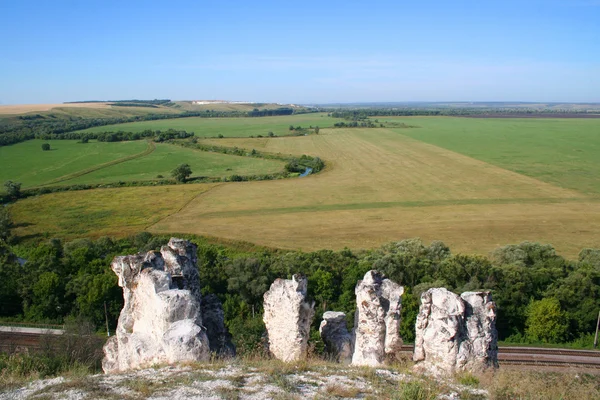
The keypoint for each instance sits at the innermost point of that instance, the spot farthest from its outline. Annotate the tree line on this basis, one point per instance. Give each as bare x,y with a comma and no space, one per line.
540,296
362,113
28,127
119,136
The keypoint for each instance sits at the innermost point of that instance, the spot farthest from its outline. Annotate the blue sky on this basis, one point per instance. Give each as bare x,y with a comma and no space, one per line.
301,51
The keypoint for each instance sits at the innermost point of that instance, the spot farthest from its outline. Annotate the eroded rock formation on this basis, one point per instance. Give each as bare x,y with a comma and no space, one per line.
377,320
161,319
455,333
287,317
335,335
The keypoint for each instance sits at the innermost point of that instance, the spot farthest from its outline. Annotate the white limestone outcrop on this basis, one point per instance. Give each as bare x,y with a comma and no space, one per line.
338,341
287,317
455,333
377,320
161,320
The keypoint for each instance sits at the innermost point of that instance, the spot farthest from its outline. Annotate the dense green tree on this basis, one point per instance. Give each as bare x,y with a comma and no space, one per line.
250,278
590,256
10,271
410,310
546,322
182,172
579,295
464,272
47,298
13,189
6,224
321,286
45,146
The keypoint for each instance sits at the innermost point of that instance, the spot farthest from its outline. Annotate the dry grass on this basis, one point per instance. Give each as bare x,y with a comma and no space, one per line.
340,391
94,213
25,108
381,186
533,385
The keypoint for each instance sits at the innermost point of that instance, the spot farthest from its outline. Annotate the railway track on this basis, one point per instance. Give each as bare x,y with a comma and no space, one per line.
509,356
543,357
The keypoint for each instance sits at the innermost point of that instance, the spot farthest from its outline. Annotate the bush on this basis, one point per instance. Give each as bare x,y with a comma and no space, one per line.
546,322
182,172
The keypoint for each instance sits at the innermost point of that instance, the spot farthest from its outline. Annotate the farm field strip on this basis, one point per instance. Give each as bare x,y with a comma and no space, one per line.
101,212
70,162
469,228
562,152
380,186
232,127
166,157
149,149
26,108
398,169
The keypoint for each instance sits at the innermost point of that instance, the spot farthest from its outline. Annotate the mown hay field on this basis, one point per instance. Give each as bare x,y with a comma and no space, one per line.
381,184
26,108
228,127
100,212
69,162
82,110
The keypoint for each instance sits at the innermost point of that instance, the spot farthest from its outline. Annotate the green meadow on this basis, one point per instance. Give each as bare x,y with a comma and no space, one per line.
166,157
228,127
28,164
564,152
69,162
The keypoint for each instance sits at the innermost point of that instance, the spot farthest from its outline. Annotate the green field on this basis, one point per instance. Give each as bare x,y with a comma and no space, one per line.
475,184
166,157
26,162
228,127
564,152
69,162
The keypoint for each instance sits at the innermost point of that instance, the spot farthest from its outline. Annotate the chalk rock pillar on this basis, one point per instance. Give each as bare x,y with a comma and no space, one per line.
287,317
338,341
455,333
377,320
480,351
160,321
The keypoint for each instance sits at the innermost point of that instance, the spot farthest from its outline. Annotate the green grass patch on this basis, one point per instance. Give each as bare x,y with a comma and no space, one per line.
228,127
27,163
166,157
564,152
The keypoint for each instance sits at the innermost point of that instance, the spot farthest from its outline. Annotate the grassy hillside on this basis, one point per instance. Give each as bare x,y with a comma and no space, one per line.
166,157
69,162
26,162
228,127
